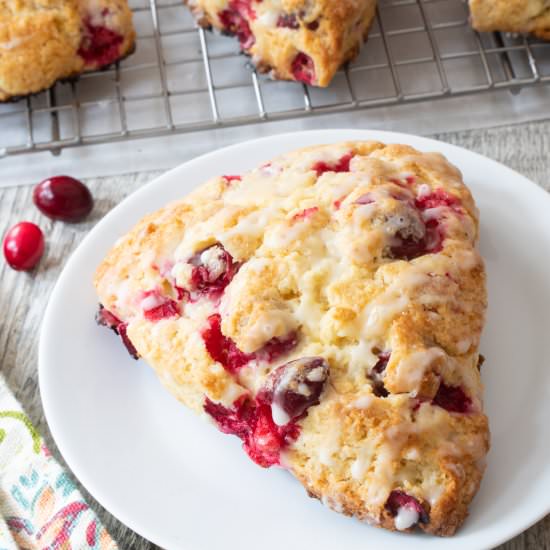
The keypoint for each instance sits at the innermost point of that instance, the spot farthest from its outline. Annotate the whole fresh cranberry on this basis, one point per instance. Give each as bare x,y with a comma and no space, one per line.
63,198
23,246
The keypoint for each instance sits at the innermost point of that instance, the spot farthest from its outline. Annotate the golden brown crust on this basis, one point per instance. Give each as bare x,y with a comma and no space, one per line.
331,254
328,32
518,16
41,41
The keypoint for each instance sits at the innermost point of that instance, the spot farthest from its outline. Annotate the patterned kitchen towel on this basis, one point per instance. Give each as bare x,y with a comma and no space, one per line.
40,508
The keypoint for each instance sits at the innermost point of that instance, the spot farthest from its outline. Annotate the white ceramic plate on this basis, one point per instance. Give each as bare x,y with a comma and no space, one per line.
183,485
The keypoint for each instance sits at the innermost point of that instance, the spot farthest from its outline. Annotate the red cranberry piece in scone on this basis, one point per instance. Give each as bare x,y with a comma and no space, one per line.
377,372
303,68
341,165
108,319
406,510
294,387
100,45
156,306
452,399
213,269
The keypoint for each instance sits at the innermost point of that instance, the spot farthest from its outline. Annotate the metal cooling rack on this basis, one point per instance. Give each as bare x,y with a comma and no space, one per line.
183,79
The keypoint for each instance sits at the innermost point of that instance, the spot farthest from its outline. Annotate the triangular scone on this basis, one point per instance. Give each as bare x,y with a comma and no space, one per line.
43,41
326,308
524,16
303,40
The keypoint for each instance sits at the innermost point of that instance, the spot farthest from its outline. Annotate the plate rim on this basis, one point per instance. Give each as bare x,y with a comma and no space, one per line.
325,137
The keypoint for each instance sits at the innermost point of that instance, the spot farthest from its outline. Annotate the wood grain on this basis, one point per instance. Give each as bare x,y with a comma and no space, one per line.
23,296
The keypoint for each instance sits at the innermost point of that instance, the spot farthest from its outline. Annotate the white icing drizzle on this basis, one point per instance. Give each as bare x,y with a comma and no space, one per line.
151,302
269,18
406,517
411,369
280,417
363,402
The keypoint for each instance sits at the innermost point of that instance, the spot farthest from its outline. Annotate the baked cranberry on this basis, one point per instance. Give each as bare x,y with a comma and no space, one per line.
244,7
23,246
305,214
229,179
399,499
155,306
341,165
436,198
376,373
221,348
288,21
63,198
100,46
277,347
262,439
408,247
234,23
107,319
313,26
303,68
452,399
294,387
213,269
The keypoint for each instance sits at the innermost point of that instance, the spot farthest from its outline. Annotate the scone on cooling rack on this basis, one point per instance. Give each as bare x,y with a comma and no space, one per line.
517,16
325,308
299,40
42,41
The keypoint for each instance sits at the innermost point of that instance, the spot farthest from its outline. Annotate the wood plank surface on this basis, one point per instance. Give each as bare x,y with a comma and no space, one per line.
23,297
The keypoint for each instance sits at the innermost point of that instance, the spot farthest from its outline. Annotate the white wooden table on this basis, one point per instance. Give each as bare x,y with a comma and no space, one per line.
23,297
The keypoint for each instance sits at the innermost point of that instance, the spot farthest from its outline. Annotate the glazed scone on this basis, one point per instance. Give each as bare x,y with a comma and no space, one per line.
42,41
299,40
518,16
326,308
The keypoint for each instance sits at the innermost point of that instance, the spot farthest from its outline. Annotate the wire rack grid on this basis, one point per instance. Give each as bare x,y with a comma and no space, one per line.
183,79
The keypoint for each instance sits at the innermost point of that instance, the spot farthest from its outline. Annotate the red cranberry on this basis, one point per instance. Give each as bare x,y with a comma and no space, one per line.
305,214
399,499
409,247
262,439
100,46
294,387
341,165
376,373
303,68
221,348
288,21
313,26
277,347
156,306
107,319
436,198
243,7
212,271
452,399
229,179
23,246
235,23
63,198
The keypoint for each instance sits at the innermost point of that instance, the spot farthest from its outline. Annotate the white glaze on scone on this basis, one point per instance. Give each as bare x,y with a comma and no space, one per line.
352,284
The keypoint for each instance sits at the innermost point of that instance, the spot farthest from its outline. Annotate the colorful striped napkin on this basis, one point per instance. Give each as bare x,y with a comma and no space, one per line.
40,507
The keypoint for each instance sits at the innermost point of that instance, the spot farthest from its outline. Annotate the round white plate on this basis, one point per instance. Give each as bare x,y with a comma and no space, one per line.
180,483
